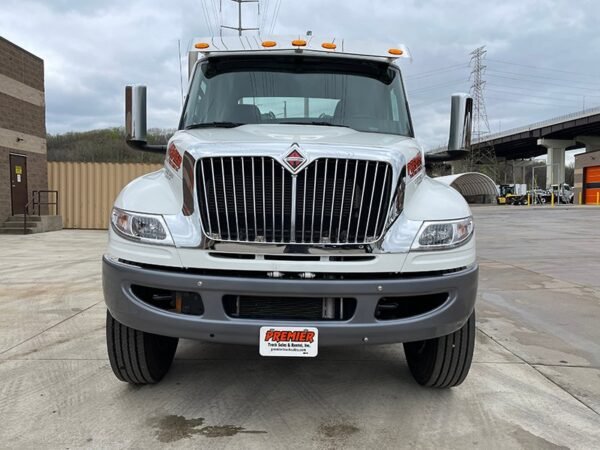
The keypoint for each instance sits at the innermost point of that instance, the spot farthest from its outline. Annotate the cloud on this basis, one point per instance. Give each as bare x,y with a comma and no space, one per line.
541,53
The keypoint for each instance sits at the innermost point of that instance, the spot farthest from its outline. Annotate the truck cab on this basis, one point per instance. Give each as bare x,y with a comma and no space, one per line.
293,212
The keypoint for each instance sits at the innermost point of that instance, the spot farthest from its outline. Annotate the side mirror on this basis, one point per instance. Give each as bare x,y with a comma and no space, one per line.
459,141
135,120
461,119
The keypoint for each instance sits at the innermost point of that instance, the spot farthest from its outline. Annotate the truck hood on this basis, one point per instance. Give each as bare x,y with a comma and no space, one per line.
288,134
313,142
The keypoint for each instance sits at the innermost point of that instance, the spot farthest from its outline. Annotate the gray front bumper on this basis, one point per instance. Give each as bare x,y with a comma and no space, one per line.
214,325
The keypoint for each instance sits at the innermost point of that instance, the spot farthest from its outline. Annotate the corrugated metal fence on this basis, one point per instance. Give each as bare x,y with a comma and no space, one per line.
87,190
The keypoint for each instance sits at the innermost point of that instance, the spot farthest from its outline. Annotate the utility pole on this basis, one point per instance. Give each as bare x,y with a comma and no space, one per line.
483,156
240,28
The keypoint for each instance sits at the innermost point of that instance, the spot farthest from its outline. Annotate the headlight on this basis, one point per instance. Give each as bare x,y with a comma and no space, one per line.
148,228
443,235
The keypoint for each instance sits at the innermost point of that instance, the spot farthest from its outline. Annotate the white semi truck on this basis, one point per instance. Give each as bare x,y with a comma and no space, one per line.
293,212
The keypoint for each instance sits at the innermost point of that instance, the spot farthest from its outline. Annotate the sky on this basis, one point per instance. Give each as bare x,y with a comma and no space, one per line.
542,55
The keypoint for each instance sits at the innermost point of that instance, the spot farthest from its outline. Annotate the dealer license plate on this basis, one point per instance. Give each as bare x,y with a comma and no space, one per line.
289,341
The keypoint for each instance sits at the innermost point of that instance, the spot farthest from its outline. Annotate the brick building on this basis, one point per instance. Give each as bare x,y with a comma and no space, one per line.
587,177
23,164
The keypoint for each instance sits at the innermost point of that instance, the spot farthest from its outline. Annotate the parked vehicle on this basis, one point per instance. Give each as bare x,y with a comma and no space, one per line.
539,196
562,193
293,212
511,194
505,192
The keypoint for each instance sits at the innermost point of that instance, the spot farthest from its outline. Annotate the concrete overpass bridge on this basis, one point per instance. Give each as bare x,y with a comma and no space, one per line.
550,137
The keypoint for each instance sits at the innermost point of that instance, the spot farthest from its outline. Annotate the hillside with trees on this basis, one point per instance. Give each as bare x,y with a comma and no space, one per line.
106,145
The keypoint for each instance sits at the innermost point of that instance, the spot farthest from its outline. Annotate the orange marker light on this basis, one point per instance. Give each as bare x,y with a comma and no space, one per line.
299,42
269,43
395,51
329,45
201,45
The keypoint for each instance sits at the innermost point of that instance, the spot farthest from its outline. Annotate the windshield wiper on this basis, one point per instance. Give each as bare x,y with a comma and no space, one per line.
319,123
214,125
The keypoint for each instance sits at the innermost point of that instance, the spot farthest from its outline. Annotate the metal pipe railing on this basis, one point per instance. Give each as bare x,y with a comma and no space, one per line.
36,202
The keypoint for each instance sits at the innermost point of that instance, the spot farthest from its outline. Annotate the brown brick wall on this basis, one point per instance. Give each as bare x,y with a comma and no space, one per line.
20,65
21,116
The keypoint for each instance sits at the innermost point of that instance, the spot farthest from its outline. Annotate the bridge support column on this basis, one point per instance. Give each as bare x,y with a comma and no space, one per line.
591,143
555,172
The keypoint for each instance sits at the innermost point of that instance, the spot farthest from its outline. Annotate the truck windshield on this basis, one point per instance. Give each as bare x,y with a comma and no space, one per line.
363,95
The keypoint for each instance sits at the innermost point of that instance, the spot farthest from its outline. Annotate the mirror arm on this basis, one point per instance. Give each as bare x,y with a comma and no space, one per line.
145,147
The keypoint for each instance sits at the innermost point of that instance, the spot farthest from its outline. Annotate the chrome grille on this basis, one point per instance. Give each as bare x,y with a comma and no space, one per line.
331,201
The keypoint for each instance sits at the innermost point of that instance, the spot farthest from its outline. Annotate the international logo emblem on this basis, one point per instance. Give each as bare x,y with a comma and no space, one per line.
294,158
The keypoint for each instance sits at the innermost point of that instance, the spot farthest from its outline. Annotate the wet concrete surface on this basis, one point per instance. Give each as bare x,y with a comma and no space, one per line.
534,383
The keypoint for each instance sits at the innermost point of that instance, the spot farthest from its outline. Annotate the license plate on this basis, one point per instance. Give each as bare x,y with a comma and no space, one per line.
289,341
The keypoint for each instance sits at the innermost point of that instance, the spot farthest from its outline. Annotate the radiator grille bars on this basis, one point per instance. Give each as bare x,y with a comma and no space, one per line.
331,201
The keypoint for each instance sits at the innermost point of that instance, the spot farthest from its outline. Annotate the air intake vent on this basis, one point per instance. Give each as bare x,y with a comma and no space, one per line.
289,308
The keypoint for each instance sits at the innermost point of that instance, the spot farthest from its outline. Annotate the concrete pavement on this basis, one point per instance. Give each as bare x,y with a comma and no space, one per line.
534,383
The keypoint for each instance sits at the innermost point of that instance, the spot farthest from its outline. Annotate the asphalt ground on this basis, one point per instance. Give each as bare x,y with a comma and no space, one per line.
534,382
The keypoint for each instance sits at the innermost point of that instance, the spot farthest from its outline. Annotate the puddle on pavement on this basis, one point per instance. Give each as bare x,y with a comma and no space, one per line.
173,428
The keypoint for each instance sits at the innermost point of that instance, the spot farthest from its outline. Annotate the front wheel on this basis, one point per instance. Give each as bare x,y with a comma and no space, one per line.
445,361
137,357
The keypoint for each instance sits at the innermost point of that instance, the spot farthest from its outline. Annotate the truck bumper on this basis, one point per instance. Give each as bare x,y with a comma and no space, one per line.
216,326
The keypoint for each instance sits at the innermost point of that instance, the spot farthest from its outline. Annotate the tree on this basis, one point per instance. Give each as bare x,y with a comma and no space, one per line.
106,145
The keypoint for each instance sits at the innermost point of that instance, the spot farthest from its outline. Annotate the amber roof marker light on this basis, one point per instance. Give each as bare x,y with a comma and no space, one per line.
201,45
396,51
269,44
299,43
329,45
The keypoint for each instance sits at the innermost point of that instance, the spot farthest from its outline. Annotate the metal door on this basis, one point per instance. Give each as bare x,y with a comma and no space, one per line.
591,184
18,183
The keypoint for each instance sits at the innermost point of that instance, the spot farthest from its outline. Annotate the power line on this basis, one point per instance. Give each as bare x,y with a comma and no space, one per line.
556,92
544,68
275,14
436,71
217,12
265,19
544,77
543,82
528,102
263,12
206,18
528,95
434,86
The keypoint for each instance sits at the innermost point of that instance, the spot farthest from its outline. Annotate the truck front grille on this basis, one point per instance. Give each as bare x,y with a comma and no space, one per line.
331,201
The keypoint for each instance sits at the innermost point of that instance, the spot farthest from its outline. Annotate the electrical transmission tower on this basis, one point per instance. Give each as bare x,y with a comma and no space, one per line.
483,156
240,28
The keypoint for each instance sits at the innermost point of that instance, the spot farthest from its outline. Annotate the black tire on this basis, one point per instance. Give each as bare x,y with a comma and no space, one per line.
137,357
445,361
